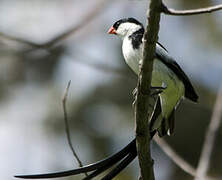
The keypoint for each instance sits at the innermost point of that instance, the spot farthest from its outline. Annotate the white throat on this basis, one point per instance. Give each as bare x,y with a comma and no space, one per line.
132,56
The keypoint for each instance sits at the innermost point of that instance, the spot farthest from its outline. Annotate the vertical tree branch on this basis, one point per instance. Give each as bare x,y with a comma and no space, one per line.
210,138
67,126
143,86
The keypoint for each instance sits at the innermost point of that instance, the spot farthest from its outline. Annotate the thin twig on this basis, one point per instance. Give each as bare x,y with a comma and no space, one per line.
143,86
54,41
170,11
89,17
20,40
176,158
210,138
67,126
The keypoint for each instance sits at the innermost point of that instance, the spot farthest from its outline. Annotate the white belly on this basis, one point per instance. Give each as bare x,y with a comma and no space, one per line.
171,96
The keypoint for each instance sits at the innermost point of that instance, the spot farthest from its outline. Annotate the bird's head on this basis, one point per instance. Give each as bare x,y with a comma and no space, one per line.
125,27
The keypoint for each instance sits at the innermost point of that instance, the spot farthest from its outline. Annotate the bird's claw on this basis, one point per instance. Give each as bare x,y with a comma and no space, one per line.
154,91
134,93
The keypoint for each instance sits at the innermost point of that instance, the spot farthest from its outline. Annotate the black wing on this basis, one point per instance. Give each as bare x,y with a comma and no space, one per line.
162,54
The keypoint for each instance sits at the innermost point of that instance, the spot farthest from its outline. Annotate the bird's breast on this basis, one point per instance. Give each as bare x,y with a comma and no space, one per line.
131,56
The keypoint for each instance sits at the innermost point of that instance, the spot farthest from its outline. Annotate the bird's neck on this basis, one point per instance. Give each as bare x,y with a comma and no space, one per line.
136,38
131,55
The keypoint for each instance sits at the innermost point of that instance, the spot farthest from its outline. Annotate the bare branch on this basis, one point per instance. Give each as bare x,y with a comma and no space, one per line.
67,126
143,86
20,40
89,17
47,45
176,158
210,138
170,11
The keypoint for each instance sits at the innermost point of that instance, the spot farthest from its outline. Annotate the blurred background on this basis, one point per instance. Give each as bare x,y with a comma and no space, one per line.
34,74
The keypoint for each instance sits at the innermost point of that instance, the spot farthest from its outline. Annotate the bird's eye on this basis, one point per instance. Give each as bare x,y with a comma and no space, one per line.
116,25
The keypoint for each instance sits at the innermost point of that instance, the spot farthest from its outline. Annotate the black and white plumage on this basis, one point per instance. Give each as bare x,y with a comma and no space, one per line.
165,72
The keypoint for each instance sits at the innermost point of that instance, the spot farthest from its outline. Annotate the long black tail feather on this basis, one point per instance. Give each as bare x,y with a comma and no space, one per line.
127,160
128,153
111,163
123,164
96,166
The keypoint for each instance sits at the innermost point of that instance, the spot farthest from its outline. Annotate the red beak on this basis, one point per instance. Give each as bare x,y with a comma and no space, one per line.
111,30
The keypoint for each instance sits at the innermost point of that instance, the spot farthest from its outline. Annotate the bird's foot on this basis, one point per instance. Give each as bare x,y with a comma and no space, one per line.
134,93
154,91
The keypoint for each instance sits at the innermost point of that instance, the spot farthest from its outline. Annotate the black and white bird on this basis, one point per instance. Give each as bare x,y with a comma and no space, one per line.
166,74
